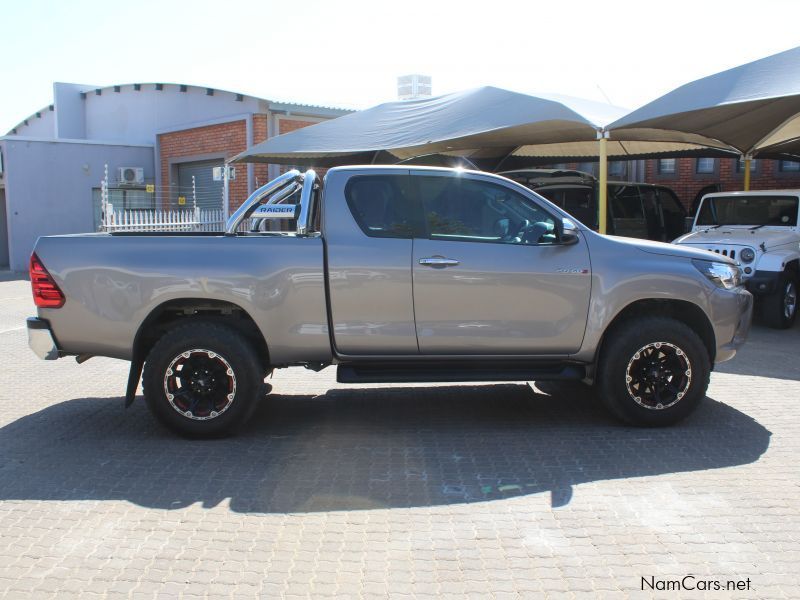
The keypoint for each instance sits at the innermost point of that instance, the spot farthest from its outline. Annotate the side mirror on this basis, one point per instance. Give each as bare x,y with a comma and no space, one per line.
688,223
568,233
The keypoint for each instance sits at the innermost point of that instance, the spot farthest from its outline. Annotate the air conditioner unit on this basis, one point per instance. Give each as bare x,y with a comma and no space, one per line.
130,175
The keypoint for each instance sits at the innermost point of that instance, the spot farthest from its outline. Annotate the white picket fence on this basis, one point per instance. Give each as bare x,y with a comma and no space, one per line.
190,219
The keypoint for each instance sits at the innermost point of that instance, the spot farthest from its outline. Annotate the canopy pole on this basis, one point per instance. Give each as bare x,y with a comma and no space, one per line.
747,160
602,193
226,190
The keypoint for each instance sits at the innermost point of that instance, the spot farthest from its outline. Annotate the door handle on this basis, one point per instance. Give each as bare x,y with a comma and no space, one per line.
438,261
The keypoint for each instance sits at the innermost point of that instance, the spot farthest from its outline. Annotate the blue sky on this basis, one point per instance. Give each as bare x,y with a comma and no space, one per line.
349,53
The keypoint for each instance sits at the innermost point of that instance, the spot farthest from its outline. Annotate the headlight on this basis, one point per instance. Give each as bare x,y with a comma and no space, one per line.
747,255
723,275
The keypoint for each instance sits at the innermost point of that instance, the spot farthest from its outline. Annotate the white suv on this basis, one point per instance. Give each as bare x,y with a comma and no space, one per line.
760,231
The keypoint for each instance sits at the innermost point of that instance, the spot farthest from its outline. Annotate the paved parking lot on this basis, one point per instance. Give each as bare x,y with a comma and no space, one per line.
505,491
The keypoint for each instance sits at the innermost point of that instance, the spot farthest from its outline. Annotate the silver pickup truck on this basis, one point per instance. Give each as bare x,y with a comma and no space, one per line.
393,275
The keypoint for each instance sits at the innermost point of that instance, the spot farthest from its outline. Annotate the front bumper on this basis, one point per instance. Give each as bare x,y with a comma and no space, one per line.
40,339
733,314
763,282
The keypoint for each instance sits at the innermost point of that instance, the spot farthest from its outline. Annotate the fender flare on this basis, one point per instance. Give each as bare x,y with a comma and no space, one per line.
777,261
139,354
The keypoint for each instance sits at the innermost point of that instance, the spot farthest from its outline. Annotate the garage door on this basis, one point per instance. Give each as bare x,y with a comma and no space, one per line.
208,192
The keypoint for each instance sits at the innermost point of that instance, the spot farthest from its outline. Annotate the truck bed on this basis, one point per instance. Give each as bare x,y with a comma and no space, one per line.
114,281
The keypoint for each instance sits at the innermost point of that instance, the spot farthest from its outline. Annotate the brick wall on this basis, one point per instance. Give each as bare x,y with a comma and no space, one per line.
260,133
687,183
286,125
226,138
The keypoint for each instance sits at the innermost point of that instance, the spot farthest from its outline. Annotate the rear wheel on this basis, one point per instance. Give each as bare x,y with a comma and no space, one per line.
201,380
779,309
653,371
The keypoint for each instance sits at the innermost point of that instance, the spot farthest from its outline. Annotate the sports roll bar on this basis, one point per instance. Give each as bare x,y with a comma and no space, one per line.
256,198
307,196
278,190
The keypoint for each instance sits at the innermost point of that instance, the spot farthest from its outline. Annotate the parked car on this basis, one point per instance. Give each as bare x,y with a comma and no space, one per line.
638,210
393,274
759,230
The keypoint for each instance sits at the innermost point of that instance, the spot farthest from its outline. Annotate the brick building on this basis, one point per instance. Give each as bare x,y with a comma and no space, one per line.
690,178
198,149
159,143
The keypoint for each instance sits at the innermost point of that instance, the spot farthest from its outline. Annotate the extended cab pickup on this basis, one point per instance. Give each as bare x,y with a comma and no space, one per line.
394,274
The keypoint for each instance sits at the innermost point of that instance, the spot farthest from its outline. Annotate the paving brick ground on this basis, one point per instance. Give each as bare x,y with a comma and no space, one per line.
503,491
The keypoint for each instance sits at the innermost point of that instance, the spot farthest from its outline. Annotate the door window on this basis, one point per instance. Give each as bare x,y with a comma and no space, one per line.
673,211
654,221
625,202
381,205
470,210
579,202
555,195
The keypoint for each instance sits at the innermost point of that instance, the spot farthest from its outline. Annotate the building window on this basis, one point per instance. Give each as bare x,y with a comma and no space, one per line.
740,166
666,166
789,166
704,166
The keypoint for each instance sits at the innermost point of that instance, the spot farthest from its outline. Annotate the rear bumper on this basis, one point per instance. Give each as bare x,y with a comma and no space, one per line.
40,339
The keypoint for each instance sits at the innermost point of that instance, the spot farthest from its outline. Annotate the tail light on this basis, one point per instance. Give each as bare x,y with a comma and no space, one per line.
46,293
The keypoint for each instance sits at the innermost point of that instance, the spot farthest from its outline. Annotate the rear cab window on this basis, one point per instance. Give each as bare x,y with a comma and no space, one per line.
382,205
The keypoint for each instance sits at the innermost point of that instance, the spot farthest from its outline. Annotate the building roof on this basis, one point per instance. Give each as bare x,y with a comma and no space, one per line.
86,91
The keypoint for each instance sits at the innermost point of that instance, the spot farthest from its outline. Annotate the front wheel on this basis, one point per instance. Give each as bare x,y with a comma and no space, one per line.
202,379
779,309
653,371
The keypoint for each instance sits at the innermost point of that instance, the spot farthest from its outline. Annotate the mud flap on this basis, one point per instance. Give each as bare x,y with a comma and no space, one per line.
134,375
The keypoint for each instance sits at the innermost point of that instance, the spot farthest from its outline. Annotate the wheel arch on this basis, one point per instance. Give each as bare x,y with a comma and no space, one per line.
681,310
178,311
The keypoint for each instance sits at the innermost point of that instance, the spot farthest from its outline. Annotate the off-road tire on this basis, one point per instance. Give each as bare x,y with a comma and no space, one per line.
618,353
232,350
773,307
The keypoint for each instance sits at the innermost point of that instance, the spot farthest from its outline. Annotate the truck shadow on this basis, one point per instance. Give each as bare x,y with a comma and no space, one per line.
362,448
768,353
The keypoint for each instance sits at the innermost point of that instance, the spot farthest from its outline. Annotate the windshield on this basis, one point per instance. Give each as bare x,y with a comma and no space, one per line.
749,210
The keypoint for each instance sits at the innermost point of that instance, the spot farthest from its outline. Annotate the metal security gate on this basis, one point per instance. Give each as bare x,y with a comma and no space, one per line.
204,189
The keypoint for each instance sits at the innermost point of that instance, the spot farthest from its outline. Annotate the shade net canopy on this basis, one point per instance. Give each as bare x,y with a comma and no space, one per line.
753,108
490,126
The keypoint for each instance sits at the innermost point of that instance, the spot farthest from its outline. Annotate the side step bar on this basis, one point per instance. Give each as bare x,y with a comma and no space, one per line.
455,373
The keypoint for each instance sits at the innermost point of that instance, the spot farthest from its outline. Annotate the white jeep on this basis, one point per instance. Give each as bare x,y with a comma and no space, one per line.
760,231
